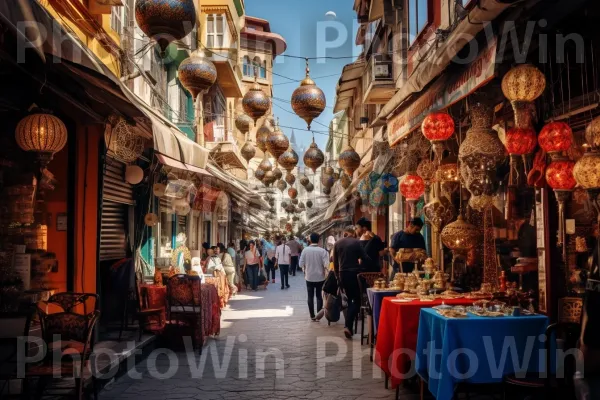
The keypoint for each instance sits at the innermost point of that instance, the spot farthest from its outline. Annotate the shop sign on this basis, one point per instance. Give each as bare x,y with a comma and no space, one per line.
206,198
445,91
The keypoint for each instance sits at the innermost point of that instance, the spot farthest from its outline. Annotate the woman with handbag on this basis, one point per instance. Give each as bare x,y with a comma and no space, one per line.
252,264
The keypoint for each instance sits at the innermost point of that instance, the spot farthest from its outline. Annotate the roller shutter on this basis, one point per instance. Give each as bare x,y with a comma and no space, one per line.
117,197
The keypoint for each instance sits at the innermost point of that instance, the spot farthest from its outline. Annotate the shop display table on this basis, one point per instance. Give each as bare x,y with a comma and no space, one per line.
376,296
397,334
210,325
219,281
476,350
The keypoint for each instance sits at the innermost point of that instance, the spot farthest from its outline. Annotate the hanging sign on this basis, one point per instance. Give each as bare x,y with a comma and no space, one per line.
206,198
445,91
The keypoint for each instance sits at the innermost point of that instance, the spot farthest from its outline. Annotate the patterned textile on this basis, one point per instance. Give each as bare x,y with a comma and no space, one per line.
222,286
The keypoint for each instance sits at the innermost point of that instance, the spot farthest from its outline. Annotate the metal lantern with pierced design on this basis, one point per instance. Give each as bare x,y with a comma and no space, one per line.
165,20
293,193
197,73
288,160
248,150
314,157
269,178
255,102
349,160
281,185
309,204
304,180
290,178
308,100
122,140
556,137
243,123
309,188
522,85
438,127
345,181
412,188
262,136
326,190
460,237
259,174
277,142
559,175
265,164
43,134
277,172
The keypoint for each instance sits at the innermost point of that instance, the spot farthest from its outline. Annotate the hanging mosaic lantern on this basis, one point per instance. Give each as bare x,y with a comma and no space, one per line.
262,136
309,204
439,212
520,141
438,127
556,137
277,142
288,160
197,74
122,141
587,171
379,198
349,160
243,123
304,180
389,183
255,102
314,157
281,185
345,181
43,134
592,133
265,164
165,20
412,187
559,175
326,190
426,170
248,150
308,101
292,193
481,153
522,85
309,188
259,174
277,172
290,178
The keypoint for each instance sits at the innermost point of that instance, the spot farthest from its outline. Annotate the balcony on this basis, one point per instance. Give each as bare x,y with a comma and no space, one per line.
228,70
378,80
224,148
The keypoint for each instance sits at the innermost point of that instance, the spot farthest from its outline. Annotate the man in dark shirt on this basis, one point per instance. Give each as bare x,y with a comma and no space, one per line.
410,238
350,259
372,243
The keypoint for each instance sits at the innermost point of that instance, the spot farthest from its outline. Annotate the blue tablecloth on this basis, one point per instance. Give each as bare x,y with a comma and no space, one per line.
375,299
476,349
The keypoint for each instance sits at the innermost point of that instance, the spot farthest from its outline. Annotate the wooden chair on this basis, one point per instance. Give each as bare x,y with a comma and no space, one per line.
366,280
69,336
12,326
557,385
183,308
144,314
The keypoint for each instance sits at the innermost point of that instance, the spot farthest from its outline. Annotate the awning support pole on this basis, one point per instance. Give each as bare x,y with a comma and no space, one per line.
200,119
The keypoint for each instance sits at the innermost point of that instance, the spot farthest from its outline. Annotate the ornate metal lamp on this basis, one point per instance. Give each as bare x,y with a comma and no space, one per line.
592,133
304,180
559,175
255,102
269,178
309,204
345,181
265,164
522,85
460,237
165,20
122,141
277,142
290,178
243,123
288,160
314,157
326,190
308,101
349,160
277,172
281,185
555,137
412,188
438,127
41,133
293,193
248,150
259,174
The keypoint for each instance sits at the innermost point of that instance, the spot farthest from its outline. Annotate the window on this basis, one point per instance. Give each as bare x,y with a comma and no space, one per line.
248,70
418,18
263,70
116,19
215,31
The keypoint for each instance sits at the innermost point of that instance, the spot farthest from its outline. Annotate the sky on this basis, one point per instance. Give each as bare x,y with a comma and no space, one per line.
303,24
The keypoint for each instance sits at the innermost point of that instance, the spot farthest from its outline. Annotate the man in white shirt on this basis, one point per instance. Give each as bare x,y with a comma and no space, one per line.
283,255
314,261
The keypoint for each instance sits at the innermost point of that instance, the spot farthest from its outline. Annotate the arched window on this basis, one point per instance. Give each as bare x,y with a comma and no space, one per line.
258,64
263,70
247,68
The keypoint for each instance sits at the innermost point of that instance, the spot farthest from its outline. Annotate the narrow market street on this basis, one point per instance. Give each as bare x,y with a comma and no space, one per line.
261,322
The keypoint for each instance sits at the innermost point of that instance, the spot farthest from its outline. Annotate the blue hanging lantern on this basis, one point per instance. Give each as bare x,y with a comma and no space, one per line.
389,183
364,188
379,198
373,177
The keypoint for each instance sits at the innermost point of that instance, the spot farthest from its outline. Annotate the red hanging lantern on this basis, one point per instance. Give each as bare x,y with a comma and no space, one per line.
559,175
520,141
556,137
412,187
438,126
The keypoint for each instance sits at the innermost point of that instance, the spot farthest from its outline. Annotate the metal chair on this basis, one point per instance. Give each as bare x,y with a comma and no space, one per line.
184,306
366,280
70,334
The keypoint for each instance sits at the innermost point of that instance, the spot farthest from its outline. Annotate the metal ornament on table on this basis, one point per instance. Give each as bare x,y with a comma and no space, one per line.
41,133
165,20
255,102
313,157
522,85
349,160
308,100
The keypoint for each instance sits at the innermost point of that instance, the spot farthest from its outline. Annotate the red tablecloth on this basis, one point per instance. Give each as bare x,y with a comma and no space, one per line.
211,310
397,335
219,281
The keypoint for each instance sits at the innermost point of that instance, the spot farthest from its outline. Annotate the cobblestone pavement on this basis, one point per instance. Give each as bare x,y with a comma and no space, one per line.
268,348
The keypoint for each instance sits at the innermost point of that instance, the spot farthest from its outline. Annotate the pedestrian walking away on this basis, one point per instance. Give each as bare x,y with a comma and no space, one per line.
314,261
295,249
350,259
252,264
283,258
